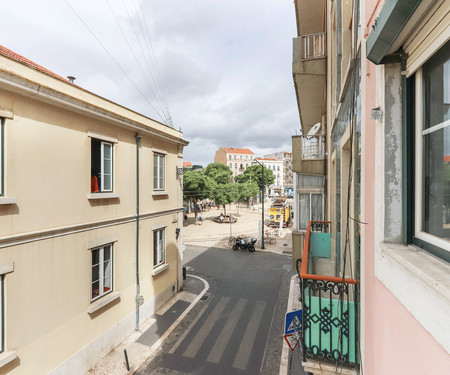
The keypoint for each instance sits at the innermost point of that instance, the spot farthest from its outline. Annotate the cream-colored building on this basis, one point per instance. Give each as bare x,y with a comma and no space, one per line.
276,166
286,158
90,219
237,159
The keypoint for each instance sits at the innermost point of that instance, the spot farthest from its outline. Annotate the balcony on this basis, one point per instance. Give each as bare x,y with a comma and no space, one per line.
330,305
308,154
309,73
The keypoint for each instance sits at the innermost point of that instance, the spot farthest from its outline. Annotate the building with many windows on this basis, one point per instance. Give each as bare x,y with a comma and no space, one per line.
237,159
276,166
288,181
374,77
80,266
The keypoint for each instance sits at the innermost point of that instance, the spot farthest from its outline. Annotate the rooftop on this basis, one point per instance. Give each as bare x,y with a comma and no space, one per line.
233,150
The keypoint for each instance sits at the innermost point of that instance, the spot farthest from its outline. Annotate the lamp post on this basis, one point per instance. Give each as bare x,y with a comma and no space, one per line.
262,211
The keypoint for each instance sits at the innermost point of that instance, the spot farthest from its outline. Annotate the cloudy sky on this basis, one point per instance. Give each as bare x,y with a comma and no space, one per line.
220,69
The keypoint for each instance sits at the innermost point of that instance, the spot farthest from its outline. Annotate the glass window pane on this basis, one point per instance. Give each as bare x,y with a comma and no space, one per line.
316,207
95,273
107,151
95,292
303,211
107,182
107,284
95,256
436,184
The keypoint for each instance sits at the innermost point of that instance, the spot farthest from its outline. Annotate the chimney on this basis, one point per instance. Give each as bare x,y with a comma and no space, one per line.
71,79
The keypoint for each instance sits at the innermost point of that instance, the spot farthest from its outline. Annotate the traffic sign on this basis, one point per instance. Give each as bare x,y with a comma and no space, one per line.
293,322
292,341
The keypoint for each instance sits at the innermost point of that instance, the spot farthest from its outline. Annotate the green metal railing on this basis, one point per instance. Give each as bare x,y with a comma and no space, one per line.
330,305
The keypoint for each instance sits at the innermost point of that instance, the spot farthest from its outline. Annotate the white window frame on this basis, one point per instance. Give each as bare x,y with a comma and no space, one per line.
310,193
2,313
102,188
158,169
159,253
419,133
101,273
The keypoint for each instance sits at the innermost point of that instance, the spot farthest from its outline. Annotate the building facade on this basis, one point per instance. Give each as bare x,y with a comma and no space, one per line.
237,159
288,176
276,166
383,272
80,266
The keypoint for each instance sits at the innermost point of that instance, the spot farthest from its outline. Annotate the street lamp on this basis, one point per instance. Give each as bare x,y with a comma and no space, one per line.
262,213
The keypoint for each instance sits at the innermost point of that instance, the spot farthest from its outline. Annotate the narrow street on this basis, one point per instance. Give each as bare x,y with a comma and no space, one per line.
237,327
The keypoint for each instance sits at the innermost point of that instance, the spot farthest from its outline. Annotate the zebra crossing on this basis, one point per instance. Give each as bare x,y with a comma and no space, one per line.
214,333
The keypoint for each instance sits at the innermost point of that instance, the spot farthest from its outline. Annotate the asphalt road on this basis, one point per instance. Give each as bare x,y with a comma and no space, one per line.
238,328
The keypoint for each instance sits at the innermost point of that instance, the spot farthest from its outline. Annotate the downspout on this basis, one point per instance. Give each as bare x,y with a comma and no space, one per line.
138,286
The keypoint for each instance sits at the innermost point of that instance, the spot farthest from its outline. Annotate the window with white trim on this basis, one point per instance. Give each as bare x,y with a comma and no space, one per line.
101,166
2,156
310,207
158,171
101,271
432,186
159,250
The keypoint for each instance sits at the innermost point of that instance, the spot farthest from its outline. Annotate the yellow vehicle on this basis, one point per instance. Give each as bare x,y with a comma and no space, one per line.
279,210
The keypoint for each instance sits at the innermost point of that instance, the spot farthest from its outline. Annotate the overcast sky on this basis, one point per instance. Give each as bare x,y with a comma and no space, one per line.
225,66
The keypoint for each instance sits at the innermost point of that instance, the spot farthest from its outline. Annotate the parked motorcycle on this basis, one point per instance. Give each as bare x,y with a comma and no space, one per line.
240,243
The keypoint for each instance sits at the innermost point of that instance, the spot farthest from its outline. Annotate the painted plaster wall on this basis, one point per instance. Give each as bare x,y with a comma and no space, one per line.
47,296
393,341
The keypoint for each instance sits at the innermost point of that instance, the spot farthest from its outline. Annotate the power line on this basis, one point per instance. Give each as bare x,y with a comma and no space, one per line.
132,51
115,61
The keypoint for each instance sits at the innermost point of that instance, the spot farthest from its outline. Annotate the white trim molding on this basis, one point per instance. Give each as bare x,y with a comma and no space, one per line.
102,137
7,357
160,269
421,282
7,200
102,302
103,196
159,151
6,267
101,242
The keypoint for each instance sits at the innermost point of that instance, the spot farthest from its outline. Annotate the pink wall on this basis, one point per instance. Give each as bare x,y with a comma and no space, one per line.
394,341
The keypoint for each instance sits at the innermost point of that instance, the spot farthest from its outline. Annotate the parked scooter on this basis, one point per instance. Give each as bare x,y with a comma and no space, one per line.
241,244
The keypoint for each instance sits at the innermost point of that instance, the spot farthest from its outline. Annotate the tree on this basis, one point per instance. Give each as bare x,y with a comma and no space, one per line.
196,186
254,174
220,173
224,191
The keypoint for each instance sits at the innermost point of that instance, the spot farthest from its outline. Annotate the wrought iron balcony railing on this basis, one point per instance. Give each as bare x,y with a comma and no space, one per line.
330,305
313,147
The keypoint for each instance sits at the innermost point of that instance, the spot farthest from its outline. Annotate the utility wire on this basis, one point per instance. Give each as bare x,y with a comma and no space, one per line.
132,51
115,61
150,51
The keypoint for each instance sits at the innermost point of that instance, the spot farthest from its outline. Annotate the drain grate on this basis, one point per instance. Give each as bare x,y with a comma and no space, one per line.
205,297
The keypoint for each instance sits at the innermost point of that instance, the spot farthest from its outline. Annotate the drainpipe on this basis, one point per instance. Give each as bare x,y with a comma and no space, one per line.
138,286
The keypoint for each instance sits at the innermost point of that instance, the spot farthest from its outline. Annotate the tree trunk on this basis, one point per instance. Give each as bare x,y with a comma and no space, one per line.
224,210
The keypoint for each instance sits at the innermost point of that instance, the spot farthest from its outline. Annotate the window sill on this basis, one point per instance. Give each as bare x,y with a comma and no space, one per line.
160,193
421,282
160,269
97,305
103,196
7,200
7,357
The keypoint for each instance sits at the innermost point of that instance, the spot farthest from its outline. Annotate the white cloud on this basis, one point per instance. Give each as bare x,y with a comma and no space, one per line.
225,66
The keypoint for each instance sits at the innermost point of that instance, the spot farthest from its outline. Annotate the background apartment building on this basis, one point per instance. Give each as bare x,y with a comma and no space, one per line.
276,166
288,180
80,266
237,159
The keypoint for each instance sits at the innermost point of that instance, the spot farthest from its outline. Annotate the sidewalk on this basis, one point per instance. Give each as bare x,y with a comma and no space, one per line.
213,234
142,344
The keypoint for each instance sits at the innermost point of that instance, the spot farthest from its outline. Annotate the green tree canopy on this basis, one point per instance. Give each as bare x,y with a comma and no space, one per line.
253,174
220,173
197,186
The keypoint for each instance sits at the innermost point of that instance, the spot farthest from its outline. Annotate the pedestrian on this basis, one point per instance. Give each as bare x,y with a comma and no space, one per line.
200,218
185,217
